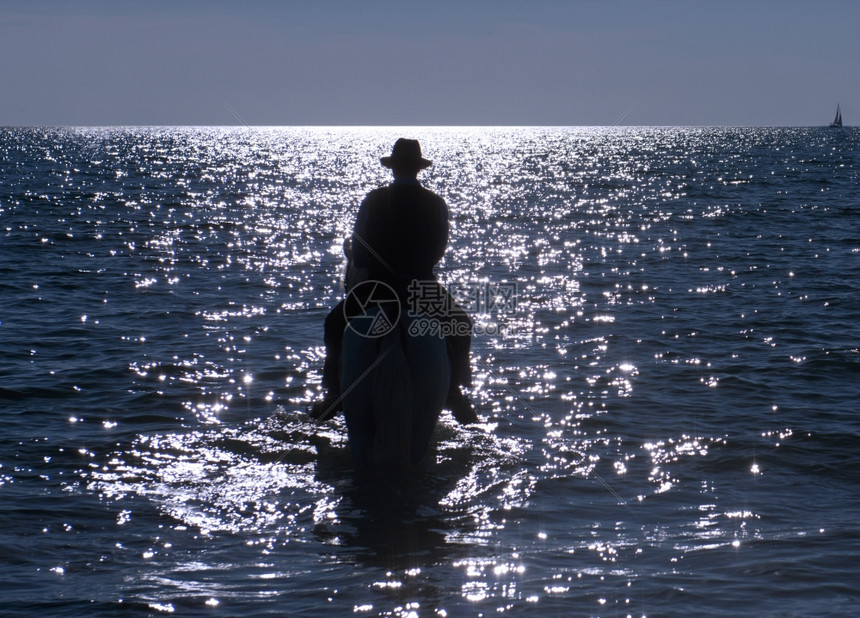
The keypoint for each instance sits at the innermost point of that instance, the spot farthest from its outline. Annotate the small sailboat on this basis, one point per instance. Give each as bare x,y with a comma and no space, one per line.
837,122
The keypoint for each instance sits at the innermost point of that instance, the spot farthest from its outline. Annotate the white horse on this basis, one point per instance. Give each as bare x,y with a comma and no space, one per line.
394,384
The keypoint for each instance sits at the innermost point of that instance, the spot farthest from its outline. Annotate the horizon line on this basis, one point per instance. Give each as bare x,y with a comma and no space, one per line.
410,126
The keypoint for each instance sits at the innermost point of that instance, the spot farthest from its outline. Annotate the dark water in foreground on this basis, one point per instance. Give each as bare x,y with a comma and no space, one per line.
670,408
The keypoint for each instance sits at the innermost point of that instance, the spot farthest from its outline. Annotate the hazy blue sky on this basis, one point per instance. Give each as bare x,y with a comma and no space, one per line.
464,62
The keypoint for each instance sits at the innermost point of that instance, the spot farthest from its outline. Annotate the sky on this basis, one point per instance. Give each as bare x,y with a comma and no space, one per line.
439,62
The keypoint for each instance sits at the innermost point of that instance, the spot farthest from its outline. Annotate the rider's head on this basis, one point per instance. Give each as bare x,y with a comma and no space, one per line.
406,160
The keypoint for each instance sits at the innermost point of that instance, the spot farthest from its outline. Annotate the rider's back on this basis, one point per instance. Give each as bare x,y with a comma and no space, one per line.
400,230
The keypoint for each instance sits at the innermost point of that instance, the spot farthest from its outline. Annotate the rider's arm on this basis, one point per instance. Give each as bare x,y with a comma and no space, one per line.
440,234
360,254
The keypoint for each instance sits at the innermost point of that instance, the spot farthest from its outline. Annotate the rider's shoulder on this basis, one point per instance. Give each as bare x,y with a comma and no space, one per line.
375,196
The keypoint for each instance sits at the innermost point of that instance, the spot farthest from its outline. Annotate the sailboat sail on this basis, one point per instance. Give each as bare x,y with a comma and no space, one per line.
837,122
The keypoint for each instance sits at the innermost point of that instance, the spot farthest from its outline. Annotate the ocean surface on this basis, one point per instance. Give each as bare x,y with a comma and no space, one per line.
670,408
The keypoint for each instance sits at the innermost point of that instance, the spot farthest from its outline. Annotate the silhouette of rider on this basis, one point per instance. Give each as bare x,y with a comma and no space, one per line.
401,232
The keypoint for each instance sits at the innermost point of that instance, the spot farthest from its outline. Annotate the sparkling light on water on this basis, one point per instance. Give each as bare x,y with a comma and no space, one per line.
681,339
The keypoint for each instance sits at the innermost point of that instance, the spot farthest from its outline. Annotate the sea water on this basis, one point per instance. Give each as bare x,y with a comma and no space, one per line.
668,396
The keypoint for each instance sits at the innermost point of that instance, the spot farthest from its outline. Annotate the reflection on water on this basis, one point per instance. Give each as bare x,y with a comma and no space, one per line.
285,481
273,475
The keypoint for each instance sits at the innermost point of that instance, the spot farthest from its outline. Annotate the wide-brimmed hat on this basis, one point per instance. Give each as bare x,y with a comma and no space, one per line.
406,154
